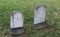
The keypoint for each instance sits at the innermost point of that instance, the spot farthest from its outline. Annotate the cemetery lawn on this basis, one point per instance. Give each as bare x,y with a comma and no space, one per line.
27,8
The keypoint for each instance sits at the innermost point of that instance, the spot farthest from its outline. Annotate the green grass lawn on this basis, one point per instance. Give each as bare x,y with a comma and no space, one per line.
27,8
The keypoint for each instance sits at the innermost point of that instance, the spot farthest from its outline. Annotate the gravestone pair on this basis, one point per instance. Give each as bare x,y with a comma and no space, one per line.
17,20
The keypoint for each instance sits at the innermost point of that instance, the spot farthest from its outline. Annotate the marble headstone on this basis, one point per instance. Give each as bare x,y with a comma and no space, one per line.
16,24
39,15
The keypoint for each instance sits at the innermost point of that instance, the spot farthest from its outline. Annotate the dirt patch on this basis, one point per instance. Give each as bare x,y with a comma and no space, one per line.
48,28
22,35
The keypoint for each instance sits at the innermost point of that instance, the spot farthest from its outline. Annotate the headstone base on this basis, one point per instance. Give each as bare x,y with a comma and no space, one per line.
40,25
17,31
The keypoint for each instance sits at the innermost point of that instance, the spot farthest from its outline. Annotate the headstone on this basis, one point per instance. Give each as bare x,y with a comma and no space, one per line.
16,24
39,17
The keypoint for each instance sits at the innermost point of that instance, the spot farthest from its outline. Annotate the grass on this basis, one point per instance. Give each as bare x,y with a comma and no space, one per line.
27,8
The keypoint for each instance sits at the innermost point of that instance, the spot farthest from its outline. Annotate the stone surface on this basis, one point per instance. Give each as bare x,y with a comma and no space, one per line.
39,14
39,17
16,24
16,19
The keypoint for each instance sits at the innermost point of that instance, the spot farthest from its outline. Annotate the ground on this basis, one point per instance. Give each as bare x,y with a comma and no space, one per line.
27,8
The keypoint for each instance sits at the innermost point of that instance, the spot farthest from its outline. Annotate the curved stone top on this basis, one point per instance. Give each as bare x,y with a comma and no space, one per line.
42,5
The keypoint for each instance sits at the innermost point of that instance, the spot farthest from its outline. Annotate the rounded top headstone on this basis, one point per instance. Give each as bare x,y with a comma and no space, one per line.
42,5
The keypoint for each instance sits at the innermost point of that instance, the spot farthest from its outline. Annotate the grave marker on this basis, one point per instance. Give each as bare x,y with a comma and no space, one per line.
39,17
16,24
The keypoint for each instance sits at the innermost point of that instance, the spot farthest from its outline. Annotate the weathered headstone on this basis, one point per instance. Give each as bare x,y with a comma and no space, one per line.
16,24
39,17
